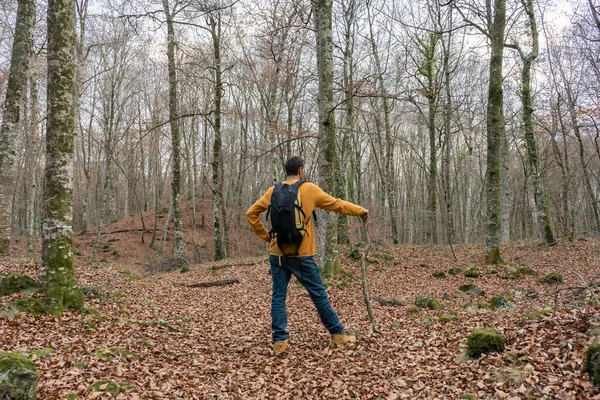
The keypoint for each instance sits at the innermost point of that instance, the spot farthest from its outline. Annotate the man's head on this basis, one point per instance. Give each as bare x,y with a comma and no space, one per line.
294,166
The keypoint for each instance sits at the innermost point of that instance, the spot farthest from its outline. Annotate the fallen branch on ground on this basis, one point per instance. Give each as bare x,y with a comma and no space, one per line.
209,284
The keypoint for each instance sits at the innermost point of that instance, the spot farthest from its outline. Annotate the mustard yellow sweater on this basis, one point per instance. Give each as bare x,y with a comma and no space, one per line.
312,197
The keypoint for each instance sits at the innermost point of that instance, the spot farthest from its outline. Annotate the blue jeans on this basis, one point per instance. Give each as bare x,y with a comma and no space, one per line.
306,270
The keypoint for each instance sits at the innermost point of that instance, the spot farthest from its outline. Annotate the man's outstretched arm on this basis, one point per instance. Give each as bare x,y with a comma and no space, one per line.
330,203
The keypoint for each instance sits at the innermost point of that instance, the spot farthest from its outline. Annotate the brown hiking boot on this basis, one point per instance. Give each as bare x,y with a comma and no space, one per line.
341,339
280,347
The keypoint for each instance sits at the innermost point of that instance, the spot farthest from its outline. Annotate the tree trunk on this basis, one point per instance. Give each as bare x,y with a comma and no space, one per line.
495,129
13,115
178,240
446,180
30,160
542,216
504,189
217,181
322,10
56,272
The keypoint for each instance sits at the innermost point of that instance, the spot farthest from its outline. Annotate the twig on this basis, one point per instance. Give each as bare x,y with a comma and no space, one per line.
365,282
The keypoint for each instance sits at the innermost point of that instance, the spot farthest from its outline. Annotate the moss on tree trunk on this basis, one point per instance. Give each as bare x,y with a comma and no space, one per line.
495,132
13,114
56,273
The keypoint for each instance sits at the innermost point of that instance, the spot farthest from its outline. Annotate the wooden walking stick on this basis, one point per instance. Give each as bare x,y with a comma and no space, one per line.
365,282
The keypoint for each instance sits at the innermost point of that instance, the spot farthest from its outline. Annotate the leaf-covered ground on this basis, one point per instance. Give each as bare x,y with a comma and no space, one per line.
157,339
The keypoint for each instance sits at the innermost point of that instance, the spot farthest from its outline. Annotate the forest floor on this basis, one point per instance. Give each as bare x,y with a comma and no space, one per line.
155,338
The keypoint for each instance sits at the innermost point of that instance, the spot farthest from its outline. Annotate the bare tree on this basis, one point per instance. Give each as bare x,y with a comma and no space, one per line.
13,114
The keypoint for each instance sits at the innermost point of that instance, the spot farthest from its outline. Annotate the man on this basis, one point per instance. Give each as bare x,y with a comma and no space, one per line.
302,265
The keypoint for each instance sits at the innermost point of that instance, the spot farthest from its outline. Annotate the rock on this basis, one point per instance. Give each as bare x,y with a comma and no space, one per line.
460,295
468,286
427,302
448,318
18,377
413,309
471,290
552,277
522,292
500,301
484,341
471,273
592,363
36,306
438,274
10,284
454,271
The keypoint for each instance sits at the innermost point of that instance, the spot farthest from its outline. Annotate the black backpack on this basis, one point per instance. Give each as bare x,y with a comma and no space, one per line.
288,221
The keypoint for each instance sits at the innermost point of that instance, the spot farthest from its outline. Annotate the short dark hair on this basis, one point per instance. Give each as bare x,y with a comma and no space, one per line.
293,164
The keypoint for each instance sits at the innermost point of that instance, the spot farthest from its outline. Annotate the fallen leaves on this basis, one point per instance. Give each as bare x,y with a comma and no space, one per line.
215,342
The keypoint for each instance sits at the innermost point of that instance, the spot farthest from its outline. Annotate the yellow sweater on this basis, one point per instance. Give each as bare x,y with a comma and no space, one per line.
312,197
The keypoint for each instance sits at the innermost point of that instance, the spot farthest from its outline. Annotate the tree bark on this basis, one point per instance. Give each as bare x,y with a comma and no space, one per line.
541,204
217,162
56,273
13,114
495,129
178,241
322,11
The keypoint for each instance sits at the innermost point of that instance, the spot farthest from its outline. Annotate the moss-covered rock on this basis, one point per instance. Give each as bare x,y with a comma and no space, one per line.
471,273
18,376
552,277
448,318
500,301
428,302
592,363
484,341
413,309
455,271
29,305
471,290
438,274
36,306
10,284
110,387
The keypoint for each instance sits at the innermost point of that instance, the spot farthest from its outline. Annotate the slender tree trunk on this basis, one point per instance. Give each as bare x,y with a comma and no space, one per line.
322,11
13,114
56,272
348,90
109,114
504,189
495,129
30,160
541,204
217,162
178,240
446,181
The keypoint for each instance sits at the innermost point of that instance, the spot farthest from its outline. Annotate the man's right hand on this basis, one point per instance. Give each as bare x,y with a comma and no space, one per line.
365,215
